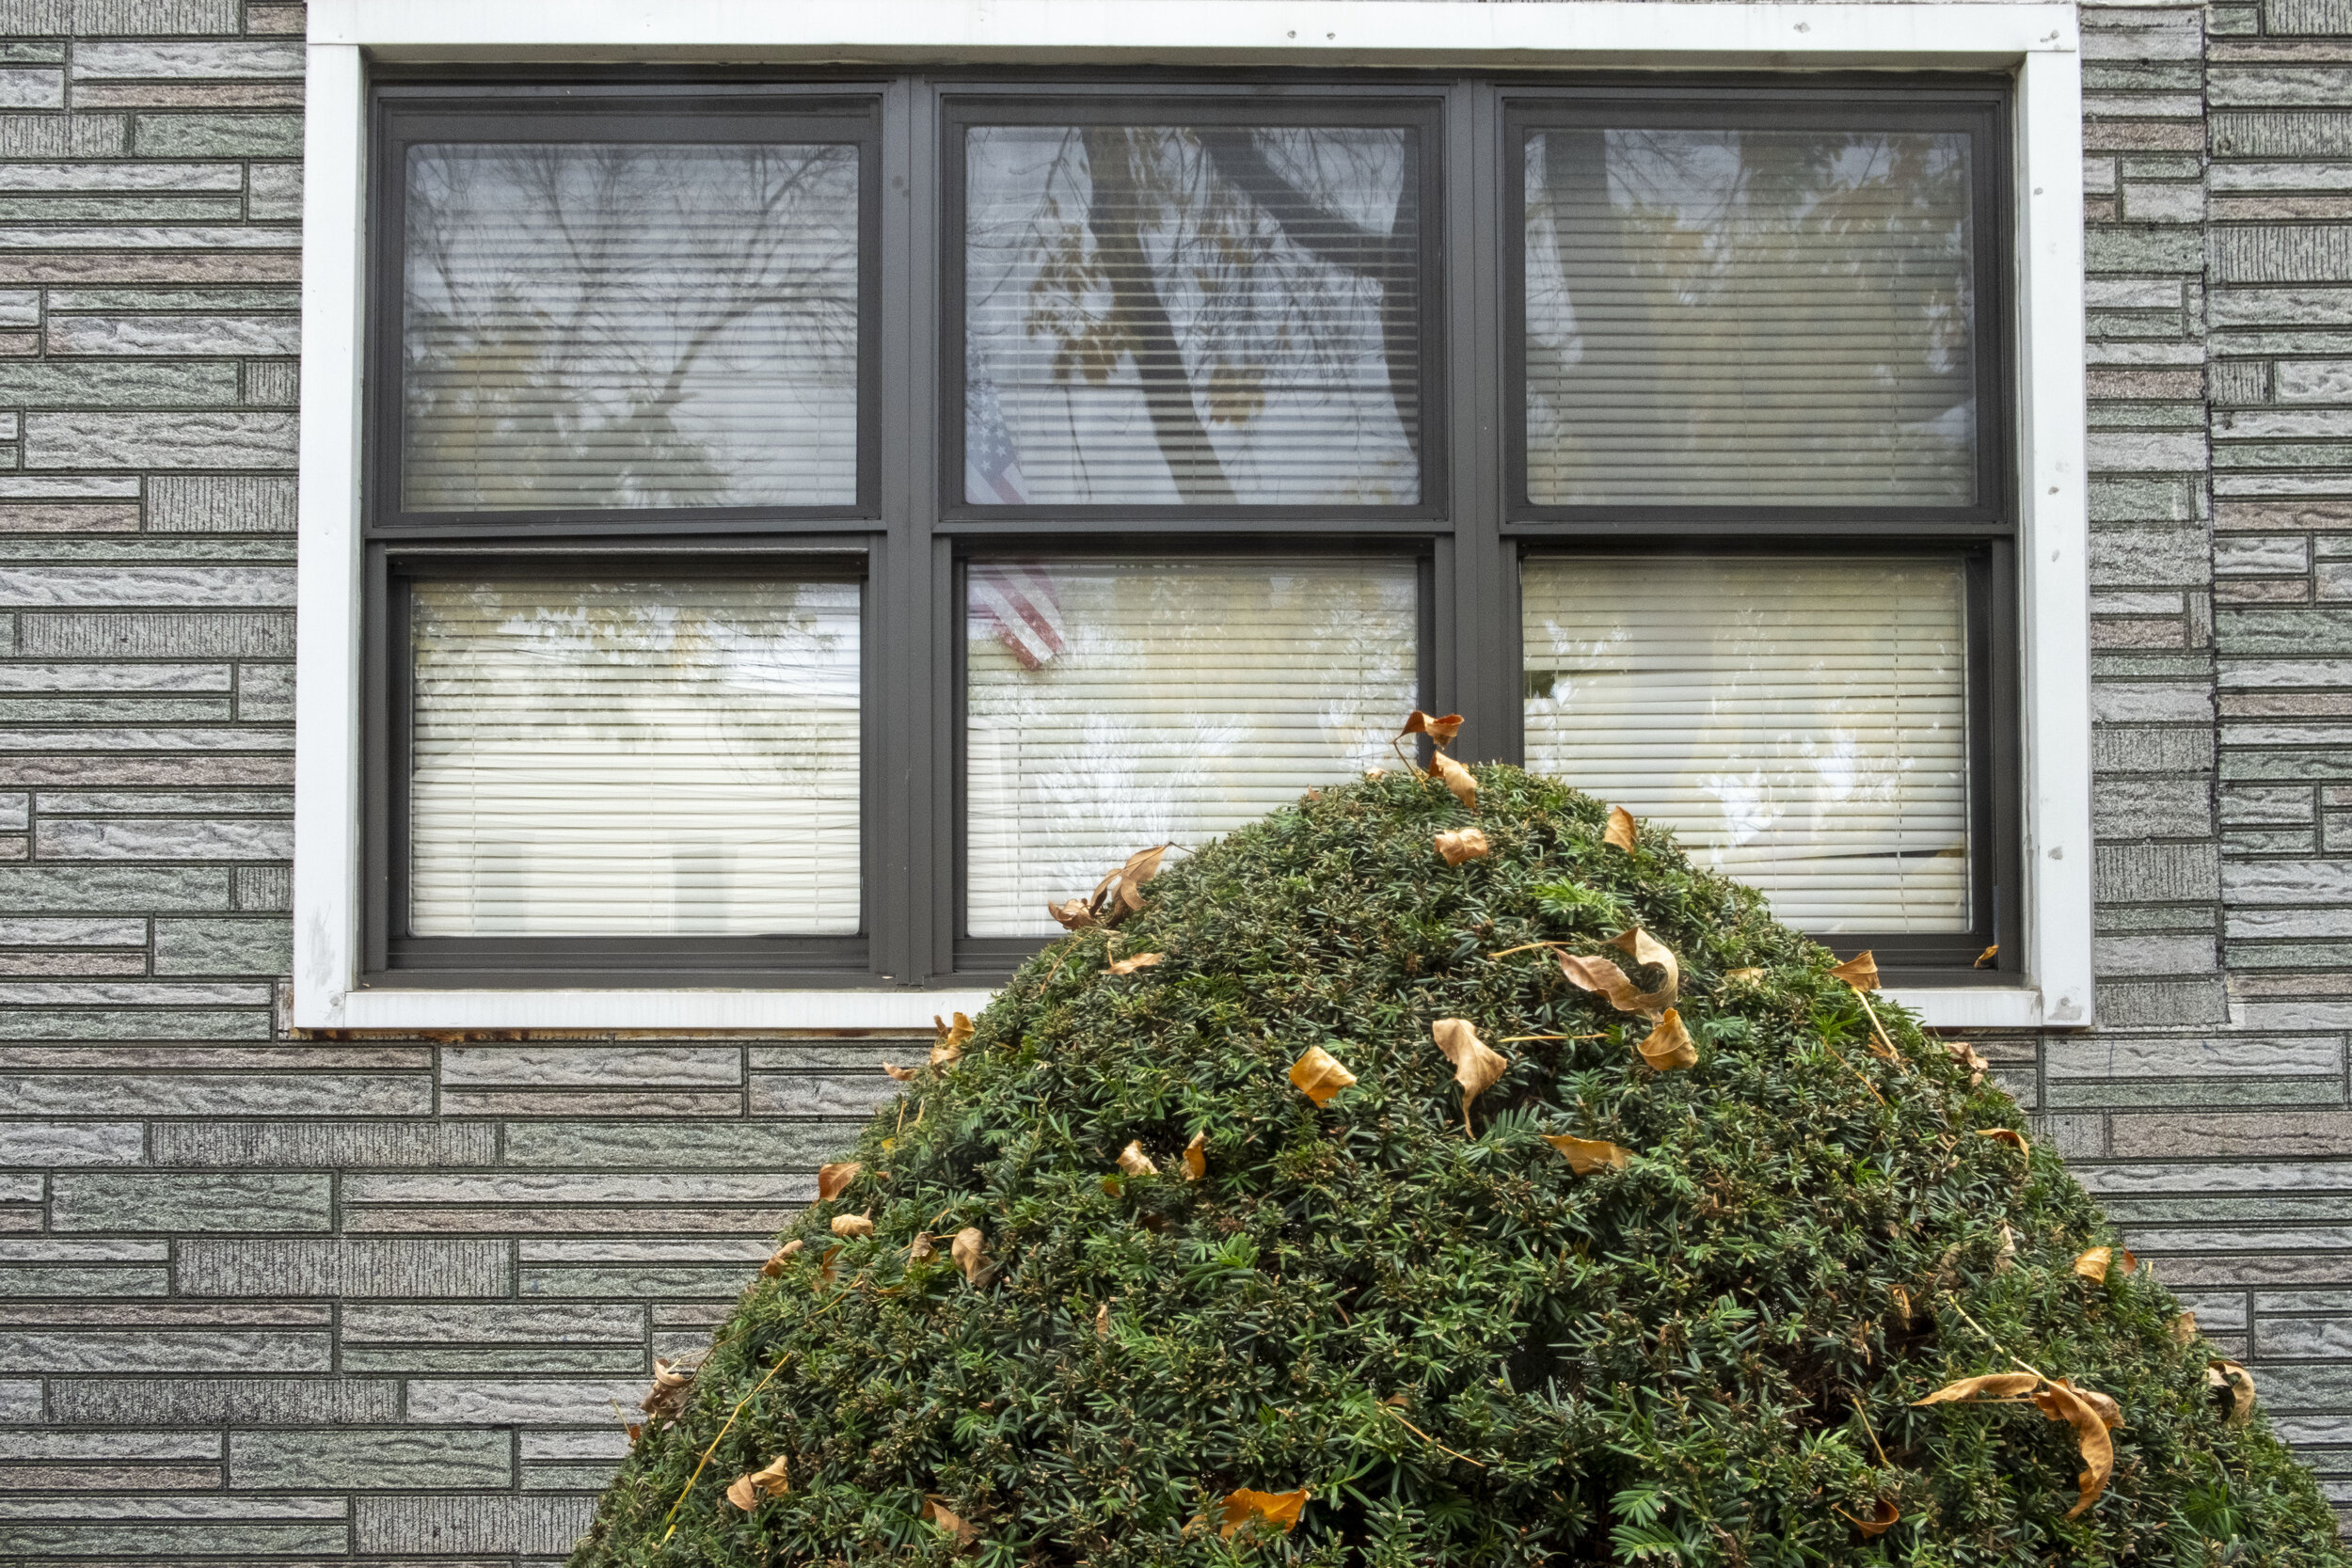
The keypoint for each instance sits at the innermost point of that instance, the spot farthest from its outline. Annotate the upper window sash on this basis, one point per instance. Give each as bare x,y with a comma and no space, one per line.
1241,321
1696,224
628,314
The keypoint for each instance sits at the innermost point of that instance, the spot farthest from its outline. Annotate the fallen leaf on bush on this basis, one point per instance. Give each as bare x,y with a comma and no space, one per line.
1275,1508
921,1248
1883,1517
2110,1413
903,1074
1440,730
2005,1259
1620,831
1992,1386
2062,1403
1463,844
777,1258
952,1039
665,1401
1669,1045
1599,975
1456,778
1197,1158
2093,1264
1319,1075
1477,1064
852,1225
1984,959
1965,1055
2185,1328
1860,972
769,1478
1135,1162
936,1512
1128,966
1071,915
1902,1299
967,1251
1735,977
829,1266
2008,1135
1586,1155
1119,894
1103,1320
2234,1384
832,1178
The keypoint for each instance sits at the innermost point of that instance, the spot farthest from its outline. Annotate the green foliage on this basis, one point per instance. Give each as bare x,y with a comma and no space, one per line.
1469,1354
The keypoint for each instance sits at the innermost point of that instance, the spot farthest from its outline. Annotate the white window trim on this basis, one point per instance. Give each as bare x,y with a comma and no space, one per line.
2037,42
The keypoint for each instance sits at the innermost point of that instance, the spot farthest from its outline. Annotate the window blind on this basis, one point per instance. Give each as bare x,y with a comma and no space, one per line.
633,758
1192,314
1116,705
1799,724
1749,317
630,326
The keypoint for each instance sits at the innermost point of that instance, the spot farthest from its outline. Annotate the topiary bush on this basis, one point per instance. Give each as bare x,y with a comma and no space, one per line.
1607,1312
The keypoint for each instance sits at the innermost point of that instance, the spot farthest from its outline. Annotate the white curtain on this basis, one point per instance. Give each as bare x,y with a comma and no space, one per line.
1116,705
1728,317
630,326
634,758
1800,723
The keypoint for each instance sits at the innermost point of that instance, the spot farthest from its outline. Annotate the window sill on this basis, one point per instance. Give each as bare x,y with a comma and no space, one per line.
1988,1007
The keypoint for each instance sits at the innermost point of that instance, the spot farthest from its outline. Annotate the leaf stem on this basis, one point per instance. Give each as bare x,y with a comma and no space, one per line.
1426,1439
1988,1335
670,1518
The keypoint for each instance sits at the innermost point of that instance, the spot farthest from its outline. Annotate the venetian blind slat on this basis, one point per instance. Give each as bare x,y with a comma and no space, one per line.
1116,705
1192,314
634,758
1749,317
606,325
1800,725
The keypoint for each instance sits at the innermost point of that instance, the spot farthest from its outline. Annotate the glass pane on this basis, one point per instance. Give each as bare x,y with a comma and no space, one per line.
616,325
1801,725
1195,315
634,758
1116,705
1725,317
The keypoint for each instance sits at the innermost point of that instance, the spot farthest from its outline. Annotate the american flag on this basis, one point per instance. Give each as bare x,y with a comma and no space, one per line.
991,464
1018,598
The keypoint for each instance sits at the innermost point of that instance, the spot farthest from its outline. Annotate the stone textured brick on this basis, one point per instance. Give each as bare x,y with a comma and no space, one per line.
362,1459
85,1201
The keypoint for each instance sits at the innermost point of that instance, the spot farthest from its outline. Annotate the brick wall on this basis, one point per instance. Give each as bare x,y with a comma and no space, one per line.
269,1299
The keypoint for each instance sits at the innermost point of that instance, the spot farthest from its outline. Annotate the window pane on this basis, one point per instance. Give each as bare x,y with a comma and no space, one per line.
1801,724
1116,705
1777,317
1194,314
634,758
616,325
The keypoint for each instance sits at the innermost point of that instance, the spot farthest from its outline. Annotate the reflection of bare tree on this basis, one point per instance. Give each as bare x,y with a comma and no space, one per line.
1243,274
625,325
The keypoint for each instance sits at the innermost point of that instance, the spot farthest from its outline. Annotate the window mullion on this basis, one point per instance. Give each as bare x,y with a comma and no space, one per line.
1478,641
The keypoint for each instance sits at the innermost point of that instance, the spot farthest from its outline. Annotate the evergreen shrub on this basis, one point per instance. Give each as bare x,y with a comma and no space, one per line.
1020,1333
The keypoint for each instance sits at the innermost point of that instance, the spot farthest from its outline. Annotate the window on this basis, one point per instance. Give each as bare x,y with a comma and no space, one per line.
812,524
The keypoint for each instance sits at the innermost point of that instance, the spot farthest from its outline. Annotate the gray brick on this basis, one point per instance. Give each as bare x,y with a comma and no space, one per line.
664,1190
2194,1056
116,18
223,947
192,440
370,1460
146,1538
457,1323
157,636
363,1145
2152,807
220,503
590,1144
593,1066
150,1350
2157,873
72,1143
185,61
2117,748
210,1402
434,1267
2133,1004
473,1401
814,1095
192,1203
39,135
194,890
549,1525
265,887
250,1094
218,337
2154,954
265,693
2307,16
165,136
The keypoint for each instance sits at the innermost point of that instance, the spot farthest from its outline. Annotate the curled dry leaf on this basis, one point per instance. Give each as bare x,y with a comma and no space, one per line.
903,1074
2061,1401
2110,1413
1463,844
1860,972
921,1248
1440,730
970,1254
1586,1155
1128,966
1965,1055
1119,894
1246,1507
2093,1264
1319,1075
673,1384
2233,1387
1669,1045
832,1179
1883,1517
1477,1064
937,1514
1620,833
2185,1328
1456,778
952,1039
769,1478
2005,1259
1135,1162
829,1266
2008,1135
1736,978
1197,1158
1071,915
1992,1386
1103,1320
852,1226
1984,959
1599,975
778,1259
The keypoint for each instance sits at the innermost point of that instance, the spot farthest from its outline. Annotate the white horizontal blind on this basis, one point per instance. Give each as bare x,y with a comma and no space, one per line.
1799,724
634,758
630,326
1749,317
1116,705
1205,314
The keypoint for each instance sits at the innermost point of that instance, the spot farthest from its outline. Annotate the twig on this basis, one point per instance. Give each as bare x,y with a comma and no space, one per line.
1844,1061
1988,1338
1873,1435
1892,1054
1529,947
670,1518
1426,1439
1515,1039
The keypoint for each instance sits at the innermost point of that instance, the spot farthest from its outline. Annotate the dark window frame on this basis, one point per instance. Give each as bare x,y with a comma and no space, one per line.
912,533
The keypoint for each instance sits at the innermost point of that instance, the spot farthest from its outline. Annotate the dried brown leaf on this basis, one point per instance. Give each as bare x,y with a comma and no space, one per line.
770,1480
1456,778
1992,1385
1860,972
921,1248
1586,1155
1965,1055
2005,1259
2234,1384
1119,892
2093,1264
1883,1517
673,1384
833,1178
1669,1045
2061,1401
938,1514
1734,978
829,1266
1440,730
1463,844
1477,1064
1128,966
951,1039
1620,833
778,1259
1984,959
970,1253
852,1226
903,1074
2185,1328
1197,1158
1071,915
2008,1135
1599,975
1319,1075
1103,1320
1246,1507
2110,1413
1135,1162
